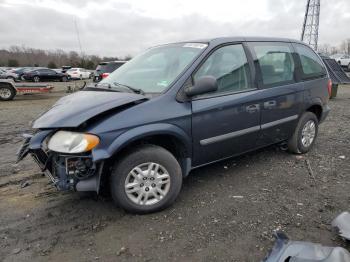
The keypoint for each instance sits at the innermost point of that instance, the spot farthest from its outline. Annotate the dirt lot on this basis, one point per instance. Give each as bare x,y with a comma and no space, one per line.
225,212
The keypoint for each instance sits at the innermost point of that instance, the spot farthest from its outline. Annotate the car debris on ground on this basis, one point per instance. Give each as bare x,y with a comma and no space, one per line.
298,251
342,224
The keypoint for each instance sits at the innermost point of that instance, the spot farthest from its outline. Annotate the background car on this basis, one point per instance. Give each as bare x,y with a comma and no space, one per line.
44,74
105,68
4,74
78,73
342,59
65,68
20,71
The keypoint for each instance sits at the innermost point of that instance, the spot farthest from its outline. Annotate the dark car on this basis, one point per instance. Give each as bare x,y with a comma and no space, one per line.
22,70
178,107
105,68
44,74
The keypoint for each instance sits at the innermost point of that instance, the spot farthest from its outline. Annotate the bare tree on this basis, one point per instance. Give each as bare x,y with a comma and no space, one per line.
26,56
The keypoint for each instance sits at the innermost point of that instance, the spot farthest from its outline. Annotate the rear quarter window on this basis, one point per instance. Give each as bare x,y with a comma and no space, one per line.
275,62
112,66
311,64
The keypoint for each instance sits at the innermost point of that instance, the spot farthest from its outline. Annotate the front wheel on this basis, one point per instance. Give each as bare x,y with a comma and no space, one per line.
349,67
64,79
146,180
36,79
304,135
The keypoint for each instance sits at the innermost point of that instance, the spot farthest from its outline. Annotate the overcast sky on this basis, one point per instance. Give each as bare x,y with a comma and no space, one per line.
122,27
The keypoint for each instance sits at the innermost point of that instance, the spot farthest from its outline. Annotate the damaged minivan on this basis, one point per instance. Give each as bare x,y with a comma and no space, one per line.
177,107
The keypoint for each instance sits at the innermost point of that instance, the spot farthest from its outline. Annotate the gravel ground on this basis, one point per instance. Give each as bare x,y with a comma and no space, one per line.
225,212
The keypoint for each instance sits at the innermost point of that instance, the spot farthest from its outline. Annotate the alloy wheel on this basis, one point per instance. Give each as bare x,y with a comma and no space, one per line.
308,133
147,184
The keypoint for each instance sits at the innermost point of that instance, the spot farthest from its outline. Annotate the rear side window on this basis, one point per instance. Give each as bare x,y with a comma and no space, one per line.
229,66
311,64
108,67
275,62
112,67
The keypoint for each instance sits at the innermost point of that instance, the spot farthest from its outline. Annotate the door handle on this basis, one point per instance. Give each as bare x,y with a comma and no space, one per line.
270,104
253,108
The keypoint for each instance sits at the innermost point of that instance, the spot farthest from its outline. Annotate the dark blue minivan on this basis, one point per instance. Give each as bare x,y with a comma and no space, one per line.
177,107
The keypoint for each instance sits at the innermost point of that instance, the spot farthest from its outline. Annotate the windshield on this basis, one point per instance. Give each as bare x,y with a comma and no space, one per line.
154,70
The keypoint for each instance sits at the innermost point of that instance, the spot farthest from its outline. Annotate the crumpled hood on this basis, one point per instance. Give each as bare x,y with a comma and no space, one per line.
75,109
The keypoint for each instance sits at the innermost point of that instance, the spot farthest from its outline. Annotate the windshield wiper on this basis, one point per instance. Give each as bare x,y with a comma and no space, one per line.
135,90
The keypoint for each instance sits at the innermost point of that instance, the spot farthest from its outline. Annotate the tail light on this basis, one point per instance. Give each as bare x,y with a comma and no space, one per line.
104,75
329,87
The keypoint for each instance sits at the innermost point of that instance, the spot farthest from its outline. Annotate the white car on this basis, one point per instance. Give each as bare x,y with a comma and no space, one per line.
342,59
78,73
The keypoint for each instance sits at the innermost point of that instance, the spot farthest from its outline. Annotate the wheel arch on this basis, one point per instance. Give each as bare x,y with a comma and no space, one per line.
316,109
168,136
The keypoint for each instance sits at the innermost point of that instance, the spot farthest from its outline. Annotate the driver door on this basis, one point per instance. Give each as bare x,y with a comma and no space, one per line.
227,121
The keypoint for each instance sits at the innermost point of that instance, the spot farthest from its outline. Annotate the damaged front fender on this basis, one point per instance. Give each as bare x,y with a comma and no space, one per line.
67,171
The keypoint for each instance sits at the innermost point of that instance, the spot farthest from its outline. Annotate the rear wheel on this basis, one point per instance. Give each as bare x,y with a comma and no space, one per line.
305,134
146,180
7,93
36,79
349,67
64,79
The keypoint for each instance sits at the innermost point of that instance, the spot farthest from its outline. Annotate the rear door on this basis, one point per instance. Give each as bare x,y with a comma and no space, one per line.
225,122
281,90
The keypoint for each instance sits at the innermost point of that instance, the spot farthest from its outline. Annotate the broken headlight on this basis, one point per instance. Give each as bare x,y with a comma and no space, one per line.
72,142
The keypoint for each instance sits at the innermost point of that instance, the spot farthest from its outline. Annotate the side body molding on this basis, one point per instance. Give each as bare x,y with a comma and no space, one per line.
140,132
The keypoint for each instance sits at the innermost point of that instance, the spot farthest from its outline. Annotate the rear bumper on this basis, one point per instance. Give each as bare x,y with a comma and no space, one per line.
66,171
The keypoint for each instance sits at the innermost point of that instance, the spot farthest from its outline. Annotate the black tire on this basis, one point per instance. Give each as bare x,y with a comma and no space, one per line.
64,79
7,92
140,155
295,144
36,79
349,67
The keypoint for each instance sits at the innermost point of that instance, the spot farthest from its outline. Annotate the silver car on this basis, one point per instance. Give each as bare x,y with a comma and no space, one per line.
8,75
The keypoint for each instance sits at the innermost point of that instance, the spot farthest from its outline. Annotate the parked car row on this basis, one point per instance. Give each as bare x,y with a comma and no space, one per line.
37,74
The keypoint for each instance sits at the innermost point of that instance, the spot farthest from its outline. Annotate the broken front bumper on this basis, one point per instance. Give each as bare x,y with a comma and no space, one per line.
66,171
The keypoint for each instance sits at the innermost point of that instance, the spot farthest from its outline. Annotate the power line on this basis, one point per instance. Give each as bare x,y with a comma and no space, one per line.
78,36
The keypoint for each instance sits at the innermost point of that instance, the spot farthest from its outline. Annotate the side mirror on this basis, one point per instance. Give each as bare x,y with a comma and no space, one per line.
203,85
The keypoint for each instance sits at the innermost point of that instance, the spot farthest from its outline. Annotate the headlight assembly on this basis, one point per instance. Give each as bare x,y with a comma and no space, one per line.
72,142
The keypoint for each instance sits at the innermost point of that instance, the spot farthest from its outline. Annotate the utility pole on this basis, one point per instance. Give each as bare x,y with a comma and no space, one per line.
309,33
78,37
